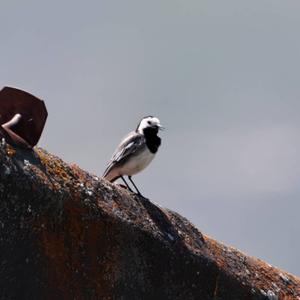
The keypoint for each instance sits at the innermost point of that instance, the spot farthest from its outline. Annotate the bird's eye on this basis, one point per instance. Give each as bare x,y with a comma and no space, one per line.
149,122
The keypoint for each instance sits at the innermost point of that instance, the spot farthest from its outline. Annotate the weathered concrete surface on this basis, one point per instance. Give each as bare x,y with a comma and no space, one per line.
65,234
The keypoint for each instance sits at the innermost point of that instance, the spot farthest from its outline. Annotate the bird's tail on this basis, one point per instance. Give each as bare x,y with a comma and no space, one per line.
110,174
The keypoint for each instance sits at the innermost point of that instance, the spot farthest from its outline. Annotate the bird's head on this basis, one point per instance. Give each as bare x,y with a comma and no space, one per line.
149,123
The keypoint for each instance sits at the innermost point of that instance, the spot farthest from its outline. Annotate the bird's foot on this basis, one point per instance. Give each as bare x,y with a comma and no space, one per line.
140,196
123,186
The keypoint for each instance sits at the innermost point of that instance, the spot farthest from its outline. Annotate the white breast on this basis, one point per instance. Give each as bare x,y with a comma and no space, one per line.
137,163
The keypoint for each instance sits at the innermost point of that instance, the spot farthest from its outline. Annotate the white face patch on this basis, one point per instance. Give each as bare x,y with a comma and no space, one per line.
148,122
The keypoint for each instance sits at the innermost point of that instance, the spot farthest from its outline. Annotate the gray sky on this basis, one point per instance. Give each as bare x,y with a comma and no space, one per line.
223,77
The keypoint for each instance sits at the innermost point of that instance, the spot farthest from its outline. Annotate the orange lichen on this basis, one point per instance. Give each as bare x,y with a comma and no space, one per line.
10,151
54,166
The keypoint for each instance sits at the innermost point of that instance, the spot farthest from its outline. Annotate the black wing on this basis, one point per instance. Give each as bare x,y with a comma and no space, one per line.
130,144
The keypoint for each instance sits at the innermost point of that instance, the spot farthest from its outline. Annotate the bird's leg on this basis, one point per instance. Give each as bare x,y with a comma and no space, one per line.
126,184
138,192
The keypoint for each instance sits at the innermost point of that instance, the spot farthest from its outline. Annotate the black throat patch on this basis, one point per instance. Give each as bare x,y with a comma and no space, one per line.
153,141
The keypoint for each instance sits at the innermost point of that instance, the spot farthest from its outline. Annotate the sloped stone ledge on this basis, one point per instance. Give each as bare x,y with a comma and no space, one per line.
67,234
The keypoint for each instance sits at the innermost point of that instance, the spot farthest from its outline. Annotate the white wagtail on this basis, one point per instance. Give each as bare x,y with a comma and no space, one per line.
135,151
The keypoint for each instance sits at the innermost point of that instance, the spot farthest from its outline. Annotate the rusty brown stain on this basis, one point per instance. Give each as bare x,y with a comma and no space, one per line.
236,263
97,260
216,286
60,241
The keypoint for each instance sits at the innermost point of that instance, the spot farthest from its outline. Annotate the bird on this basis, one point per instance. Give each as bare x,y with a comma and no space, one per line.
135,152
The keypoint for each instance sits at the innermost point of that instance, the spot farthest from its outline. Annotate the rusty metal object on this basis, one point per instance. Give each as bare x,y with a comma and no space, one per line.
22,117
